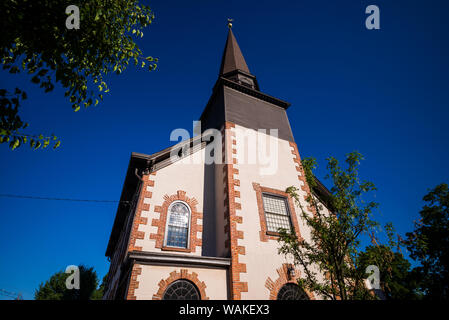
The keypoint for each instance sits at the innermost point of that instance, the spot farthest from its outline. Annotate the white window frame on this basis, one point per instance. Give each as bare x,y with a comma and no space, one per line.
287,207
168,219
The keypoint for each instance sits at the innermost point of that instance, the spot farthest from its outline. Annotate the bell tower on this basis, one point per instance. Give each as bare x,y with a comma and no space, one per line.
211,230
236,97
251,205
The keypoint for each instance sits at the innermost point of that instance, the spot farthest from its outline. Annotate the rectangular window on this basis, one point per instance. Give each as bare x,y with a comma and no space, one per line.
276,213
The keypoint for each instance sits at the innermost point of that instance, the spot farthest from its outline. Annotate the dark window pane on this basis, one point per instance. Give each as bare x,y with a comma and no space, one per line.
291,291
181,290
178,225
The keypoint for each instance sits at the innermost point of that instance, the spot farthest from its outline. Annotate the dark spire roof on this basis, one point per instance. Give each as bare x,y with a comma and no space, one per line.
232,56
233,65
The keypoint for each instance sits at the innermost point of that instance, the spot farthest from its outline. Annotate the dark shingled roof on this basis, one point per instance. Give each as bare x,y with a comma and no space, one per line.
232,56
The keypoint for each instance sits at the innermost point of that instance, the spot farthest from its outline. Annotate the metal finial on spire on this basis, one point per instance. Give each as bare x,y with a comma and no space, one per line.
230,23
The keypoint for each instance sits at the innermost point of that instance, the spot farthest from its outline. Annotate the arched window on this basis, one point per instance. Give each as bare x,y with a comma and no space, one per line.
291,291
181,290
178,225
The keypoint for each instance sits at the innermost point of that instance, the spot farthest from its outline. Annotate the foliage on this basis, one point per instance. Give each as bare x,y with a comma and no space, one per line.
335,238
396,281
98,293
55,288
429,244
35,41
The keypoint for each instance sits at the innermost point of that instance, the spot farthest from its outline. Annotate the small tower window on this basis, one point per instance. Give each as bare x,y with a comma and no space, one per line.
178,225
276,213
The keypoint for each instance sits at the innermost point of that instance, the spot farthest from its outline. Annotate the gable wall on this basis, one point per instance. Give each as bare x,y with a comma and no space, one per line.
261,258
185,180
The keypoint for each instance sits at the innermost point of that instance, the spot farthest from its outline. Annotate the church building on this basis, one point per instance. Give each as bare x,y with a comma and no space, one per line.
189,228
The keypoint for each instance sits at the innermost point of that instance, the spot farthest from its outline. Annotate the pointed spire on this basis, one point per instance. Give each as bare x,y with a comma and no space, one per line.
232,56
233,65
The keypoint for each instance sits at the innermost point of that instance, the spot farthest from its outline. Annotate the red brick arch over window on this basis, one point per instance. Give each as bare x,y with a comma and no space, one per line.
284,277
161,222
182,274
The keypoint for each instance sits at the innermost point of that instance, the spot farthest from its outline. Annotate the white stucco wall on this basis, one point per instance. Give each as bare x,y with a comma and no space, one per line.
221,236
188,175
262,258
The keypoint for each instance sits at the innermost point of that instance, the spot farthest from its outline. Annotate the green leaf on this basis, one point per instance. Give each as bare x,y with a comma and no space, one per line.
100,49
14,144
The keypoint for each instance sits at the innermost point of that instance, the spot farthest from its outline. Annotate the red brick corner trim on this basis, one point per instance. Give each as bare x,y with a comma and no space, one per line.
133,283
284,277
161,222
302,176
141,206
182,274
233,218
264,234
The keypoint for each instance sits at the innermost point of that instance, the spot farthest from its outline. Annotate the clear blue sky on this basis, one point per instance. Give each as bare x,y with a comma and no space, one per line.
384,93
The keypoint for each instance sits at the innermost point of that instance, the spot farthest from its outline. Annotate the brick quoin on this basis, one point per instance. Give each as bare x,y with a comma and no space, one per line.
182,274
302,176
133,283
230,179
161,222
141,206
136,234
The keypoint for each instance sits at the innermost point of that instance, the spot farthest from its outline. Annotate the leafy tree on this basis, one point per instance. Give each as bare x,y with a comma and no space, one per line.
396,281
98,293
35,41
429,244
55,288
335,238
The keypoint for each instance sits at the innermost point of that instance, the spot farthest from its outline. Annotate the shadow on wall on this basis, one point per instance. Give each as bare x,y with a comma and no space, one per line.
209,236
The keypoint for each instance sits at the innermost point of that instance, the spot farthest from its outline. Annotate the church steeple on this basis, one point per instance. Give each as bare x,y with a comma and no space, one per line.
233,64
232,56
236,98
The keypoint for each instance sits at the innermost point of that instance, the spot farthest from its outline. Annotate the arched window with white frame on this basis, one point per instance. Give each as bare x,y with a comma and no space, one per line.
178,225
